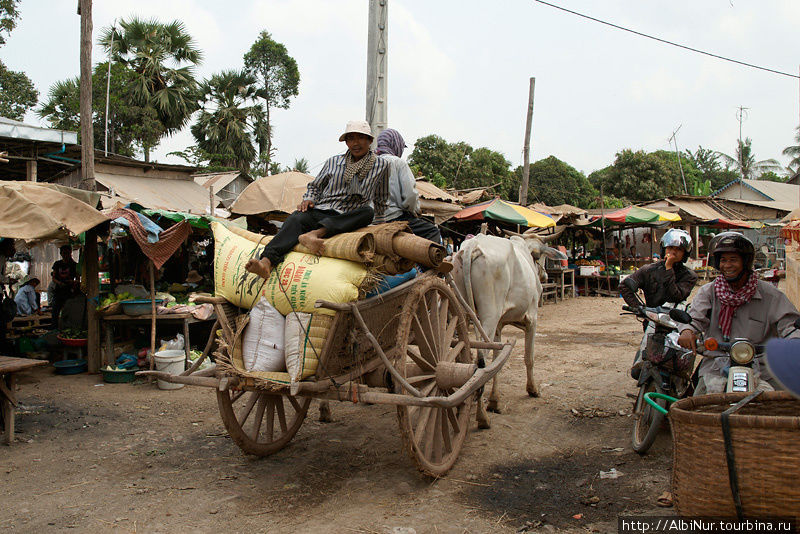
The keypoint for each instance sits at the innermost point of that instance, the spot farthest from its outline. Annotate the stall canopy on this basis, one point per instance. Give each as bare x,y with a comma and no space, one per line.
202,222
46,211
277,193
635,215
156,193
500,210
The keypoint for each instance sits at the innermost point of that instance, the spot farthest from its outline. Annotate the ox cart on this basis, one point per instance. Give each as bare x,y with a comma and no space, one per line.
409,347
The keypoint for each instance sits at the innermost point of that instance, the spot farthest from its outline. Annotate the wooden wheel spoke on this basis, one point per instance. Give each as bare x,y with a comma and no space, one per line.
453,353
244,413
415,355
422,423
236,396
447,444
281,413
433,304
270,422
295,404
438,425
429,311
449,334
444,309
451,416
422,338
419,378
262,404
430,433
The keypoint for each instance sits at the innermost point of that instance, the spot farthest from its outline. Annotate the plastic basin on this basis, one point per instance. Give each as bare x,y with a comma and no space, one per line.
139,306
71,367
118,377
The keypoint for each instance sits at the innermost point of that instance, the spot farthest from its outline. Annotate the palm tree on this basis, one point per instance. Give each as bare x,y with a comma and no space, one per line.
794,153
163,56
745,162
300,165
226,126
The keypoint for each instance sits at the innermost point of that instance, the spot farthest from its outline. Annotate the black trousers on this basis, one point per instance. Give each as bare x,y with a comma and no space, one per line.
300,222
421,227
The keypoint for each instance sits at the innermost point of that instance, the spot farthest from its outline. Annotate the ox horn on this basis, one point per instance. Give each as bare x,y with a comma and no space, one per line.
509,233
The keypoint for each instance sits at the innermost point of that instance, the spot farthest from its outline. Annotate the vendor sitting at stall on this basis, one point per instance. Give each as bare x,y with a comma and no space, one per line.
27,299
194,278
338,200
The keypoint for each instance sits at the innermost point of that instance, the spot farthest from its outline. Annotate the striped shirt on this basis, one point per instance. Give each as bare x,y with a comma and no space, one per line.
330,191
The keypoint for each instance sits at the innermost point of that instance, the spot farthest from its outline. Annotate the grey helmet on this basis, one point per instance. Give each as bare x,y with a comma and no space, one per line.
675,237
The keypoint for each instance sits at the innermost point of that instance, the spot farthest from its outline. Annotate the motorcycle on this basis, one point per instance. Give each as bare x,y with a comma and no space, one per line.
666,369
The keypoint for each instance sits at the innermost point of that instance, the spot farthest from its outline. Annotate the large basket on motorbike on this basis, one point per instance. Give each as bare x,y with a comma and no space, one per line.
751,472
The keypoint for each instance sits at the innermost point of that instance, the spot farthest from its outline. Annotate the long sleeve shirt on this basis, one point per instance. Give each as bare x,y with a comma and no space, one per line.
403,196
330,191
660,284
26,300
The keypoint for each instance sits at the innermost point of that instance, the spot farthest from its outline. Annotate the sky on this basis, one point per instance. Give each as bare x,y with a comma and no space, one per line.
461,69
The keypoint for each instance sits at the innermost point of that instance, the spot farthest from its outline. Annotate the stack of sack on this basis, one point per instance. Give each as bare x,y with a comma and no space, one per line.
286,333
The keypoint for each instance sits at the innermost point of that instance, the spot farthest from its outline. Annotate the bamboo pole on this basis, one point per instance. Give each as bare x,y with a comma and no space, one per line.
152,317
92,293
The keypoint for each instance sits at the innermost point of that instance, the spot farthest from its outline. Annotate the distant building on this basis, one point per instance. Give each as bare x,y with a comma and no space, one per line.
226,185
759,200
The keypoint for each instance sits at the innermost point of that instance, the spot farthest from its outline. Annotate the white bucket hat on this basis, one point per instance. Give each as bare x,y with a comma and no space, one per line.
361,127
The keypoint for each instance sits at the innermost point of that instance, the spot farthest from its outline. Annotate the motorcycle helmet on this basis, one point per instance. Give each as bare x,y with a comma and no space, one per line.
675,237
732,242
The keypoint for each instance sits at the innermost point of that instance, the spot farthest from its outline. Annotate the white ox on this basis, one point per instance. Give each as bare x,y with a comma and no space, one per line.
501,279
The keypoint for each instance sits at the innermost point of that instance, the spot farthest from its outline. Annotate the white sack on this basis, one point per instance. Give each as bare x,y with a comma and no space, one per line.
297,324
262,343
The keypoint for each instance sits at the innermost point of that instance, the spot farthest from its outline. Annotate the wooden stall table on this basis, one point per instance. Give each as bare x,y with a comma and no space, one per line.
8,398
18,326
560,277
185,319
595,283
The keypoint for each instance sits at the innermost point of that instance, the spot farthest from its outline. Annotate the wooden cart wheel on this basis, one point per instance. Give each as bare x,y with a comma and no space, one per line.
432,329
261,423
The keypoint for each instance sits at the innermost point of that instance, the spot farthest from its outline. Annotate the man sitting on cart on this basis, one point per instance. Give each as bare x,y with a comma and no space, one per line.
340,199
736,305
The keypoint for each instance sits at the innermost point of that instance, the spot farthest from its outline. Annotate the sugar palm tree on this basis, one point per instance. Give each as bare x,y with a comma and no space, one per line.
794,153
745,162
163,56
226,126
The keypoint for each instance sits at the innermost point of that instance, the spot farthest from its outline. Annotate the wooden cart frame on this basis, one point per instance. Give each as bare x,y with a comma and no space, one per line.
408,347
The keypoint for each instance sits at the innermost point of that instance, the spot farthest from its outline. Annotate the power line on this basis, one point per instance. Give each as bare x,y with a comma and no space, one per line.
668,42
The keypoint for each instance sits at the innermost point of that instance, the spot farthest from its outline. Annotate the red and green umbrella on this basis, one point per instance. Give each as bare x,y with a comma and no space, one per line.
500,210
636,215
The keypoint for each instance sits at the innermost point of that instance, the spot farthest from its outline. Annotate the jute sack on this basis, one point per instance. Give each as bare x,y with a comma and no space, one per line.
304,336
262,342
294,285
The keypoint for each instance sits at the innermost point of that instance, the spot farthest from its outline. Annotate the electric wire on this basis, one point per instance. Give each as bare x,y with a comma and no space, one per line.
685,47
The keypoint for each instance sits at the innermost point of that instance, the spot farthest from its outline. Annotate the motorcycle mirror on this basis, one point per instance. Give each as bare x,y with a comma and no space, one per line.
680,315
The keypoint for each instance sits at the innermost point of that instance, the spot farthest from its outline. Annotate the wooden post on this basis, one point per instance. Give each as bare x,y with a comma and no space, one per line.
153,316
31,168
91,273
603,225
211,200
523,191
87,129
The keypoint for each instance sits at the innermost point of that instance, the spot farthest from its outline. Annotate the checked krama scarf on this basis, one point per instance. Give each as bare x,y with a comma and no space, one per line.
357,169
730,301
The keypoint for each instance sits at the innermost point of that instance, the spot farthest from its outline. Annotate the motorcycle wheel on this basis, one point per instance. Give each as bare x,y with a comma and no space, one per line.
647,421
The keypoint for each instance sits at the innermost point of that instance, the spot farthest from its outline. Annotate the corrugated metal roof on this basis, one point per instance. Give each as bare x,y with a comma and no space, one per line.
19,130
218,179
158,193
778,191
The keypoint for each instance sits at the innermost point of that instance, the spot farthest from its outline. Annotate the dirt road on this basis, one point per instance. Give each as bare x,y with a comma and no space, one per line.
94,457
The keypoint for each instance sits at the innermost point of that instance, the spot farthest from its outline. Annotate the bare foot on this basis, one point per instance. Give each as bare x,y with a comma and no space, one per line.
260,267
313,242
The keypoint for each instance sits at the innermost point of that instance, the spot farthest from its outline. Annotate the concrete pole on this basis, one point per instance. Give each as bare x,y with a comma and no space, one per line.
526,153
87,130
377,67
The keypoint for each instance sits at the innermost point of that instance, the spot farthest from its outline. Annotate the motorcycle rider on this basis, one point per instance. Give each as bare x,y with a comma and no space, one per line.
736,305
667,280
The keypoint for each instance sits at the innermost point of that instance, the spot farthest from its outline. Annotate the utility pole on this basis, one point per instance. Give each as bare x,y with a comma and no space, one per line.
741,114
526,152
377,57
87,130
108,87
678,155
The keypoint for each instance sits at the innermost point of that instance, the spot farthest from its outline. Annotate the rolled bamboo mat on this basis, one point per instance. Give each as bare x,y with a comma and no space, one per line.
384,236
354,246
386,265
418,249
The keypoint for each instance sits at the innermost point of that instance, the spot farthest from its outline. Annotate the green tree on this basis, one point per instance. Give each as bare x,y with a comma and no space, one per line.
794,153
459,166
278,80
712,171
638,176
17,93
691,173
9,15
554,182
131,128
300,165
745,163
163,57
225,127
771,176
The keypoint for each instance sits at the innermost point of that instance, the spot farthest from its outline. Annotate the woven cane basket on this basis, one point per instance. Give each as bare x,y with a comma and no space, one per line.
765,437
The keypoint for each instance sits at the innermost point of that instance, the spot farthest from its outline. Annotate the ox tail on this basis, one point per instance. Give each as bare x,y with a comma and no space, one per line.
468,278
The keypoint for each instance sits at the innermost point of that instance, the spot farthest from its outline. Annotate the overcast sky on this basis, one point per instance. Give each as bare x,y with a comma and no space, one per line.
460,69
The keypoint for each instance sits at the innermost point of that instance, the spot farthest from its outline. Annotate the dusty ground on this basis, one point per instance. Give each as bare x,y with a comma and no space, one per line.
94,457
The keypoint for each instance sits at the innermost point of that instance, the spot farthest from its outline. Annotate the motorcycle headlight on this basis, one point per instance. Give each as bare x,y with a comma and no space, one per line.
742,352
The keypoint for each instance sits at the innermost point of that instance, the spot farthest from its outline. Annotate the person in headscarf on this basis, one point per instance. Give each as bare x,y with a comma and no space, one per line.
26,298
347,193
403,196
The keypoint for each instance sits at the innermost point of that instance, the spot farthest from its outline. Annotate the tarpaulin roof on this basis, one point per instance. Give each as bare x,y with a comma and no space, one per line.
158,193
636,215
279,192
501,210
19,130
33,210
431,192
197,221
